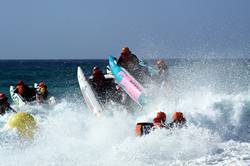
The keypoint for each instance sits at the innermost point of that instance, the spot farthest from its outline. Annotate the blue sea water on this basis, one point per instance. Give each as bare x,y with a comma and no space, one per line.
213,94
59,75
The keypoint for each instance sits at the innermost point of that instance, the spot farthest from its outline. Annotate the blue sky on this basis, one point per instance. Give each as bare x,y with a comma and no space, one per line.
80,29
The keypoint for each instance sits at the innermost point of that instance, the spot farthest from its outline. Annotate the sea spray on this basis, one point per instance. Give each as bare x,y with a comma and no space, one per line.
213,97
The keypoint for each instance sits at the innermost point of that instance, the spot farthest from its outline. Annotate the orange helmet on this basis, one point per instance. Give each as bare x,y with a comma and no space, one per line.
20,82
98,76
177,116
2,96
41,84
125,50
96,71
162,116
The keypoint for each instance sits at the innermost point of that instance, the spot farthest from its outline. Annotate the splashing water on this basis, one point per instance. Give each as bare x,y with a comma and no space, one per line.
218,131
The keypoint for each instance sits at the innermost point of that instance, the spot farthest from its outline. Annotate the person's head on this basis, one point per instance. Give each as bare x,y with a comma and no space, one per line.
20,83
97,73
41,88
177,116
161,116
125,52
3,98
161,64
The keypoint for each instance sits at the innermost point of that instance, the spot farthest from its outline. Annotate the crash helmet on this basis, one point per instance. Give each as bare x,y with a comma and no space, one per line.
177,116
162,116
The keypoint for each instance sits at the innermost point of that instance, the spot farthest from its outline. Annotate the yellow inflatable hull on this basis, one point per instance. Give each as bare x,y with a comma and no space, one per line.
24,123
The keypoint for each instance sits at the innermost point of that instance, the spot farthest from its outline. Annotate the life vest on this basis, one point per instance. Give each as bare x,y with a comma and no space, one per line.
41,90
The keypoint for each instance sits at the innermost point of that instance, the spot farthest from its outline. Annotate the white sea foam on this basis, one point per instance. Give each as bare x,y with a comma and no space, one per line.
217,133
214,99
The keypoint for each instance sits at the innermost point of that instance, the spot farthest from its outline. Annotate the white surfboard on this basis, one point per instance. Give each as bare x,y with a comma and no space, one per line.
88,94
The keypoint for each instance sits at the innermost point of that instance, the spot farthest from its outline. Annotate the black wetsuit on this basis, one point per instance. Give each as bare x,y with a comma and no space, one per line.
106,90
177,124
132,65
4,106
29,93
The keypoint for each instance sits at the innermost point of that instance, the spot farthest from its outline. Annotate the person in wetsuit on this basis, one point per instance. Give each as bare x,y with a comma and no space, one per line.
41,92
160,119
145,128
178,120
159,122
27,93
162,69
131,63
4,104
105,89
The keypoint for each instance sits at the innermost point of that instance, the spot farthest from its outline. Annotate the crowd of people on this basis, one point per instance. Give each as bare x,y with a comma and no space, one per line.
106,89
